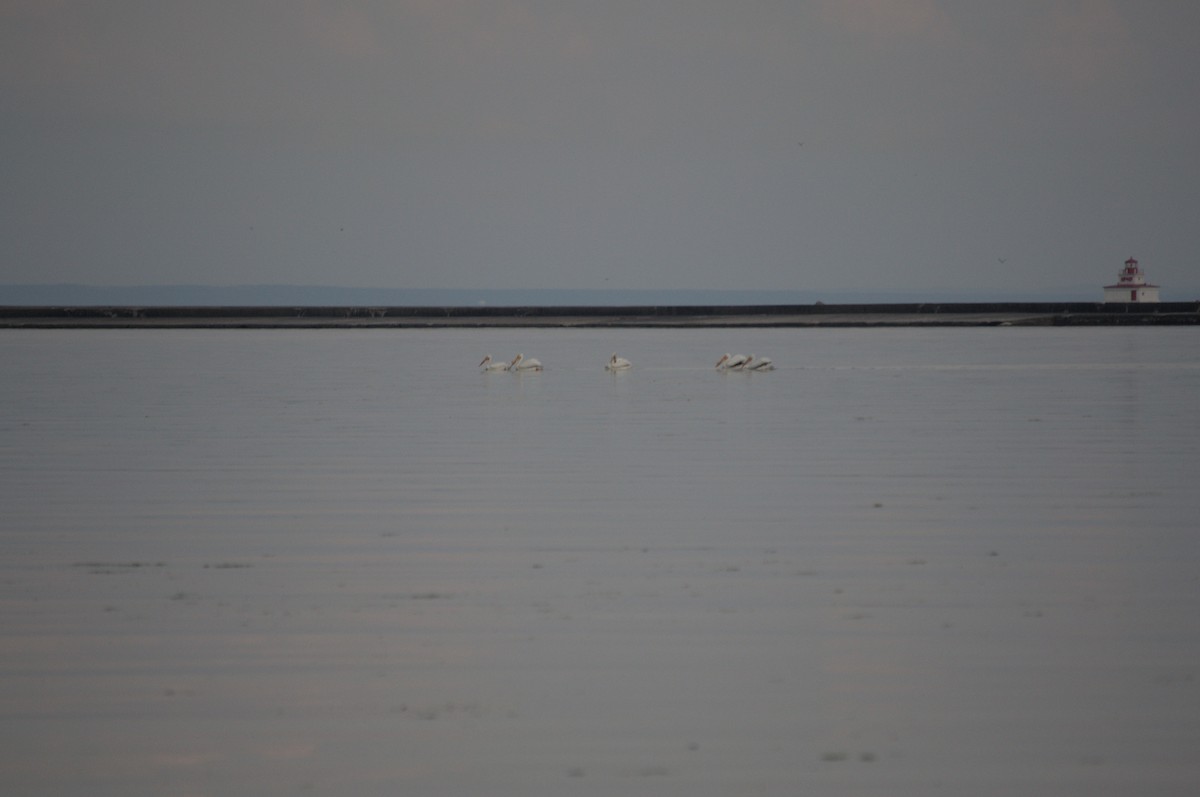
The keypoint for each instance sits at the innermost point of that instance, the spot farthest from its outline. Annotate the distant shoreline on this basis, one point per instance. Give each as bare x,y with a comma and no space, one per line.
940,314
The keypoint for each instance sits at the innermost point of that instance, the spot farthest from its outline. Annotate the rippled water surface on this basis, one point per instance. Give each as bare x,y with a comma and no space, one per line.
906,562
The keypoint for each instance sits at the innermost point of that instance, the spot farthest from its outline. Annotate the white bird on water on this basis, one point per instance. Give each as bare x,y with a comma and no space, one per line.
488,364
616,363
519,363
761,364
732,362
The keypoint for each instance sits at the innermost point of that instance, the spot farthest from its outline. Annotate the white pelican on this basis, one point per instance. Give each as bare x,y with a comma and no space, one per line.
732,362
616,363
761,364
488,364
519,363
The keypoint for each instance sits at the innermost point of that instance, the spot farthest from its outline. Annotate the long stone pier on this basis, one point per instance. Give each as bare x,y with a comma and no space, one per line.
811,315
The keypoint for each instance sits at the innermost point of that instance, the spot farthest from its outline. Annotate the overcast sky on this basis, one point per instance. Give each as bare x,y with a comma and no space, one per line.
894,145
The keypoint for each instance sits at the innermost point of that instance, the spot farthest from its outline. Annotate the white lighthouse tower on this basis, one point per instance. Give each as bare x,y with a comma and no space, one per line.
1131,286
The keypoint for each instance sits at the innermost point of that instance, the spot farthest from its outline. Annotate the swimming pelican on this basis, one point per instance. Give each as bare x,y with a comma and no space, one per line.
488,364
761,364
519,363
732,362
616,363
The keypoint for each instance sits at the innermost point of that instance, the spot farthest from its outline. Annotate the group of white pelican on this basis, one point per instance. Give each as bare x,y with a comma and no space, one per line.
744,362
728,362
518,363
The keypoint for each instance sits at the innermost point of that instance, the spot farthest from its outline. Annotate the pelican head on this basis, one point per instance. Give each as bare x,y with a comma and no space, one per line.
723,360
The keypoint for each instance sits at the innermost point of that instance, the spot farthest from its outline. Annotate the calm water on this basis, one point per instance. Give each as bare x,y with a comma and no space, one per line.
907,562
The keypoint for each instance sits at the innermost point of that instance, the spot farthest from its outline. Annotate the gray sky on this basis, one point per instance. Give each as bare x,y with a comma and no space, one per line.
895,145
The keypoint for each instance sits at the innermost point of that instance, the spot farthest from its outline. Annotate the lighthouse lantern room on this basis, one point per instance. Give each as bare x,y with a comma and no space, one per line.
1131,286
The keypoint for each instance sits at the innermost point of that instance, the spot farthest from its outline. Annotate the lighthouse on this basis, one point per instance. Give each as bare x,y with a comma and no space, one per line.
1131,286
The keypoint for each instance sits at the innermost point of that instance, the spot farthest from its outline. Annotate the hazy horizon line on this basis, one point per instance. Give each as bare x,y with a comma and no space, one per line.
268,294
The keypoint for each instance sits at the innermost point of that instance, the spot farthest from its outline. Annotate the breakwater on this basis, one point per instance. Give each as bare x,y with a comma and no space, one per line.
813,315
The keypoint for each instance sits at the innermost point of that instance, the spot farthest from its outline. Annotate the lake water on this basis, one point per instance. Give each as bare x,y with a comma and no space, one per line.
906,562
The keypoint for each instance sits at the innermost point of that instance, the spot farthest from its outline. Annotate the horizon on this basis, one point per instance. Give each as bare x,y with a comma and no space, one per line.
73,294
